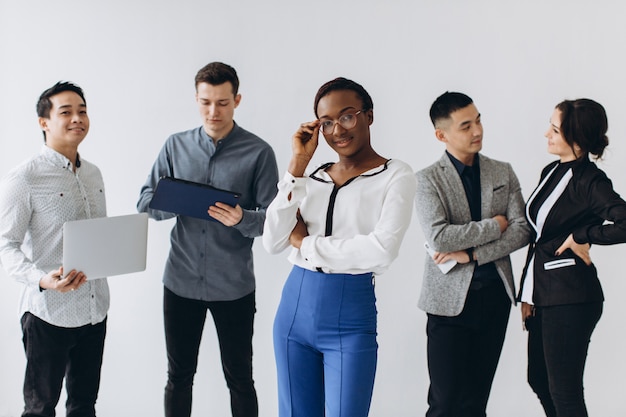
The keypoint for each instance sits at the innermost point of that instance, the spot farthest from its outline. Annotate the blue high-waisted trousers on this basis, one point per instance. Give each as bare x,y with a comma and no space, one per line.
325,344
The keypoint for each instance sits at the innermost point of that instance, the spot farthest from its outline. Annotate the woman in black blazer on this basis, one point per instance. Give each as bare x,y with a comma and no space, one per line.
560,291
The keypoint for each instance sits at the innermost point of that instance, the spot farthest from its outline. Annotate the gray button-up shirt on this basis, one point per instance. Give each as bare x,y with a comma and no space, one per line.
209,261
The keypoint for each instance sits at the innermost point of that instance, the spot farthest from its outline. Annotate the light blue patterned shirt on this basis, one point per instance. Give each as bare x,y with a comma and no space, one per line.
36,198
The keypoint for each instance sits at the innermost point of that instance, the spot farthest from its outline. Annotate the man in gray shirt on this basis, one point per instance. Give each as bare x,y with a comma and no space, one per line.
210,262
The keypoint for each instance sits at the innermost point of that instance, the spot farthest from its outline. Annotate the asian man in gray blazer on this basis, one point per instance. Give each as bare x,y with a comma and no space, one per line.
471,210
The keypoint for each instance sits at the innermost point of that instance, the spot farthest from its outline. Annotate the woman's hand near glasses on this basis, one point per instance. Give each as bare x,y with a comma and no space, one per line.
303,145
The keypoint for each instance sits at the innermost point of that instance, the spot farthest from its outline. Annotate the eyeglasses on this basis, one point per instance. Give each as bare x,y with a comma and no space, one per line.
347,121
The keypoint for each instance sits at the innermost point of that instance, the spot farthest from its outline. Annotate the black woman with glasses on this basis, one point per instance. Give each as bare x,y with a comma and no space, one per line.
344,223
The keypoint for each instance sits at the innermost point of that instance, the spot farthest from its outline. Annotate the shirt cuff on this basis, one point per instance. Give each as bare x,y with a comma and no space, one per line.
307,250
296,186
34,277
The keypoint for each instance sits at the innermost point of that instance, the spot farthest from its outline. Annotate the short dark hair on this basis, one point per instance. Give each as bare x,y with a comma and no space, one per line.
584,123
44,105
446,104
341,83
216,73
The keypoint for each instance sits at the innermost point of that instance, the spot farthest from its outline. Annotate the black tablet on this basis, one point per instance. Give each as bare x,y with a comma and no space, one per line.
188,198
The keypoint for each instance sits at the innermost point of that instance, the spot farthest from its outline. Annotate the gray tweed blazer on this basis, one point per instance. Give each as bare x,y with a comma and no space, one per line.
445,219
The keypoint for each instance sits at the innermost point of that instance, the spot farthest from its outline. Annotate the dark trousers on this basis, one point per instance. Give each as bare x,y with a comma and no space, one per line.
463,353
184,323
558,338
54,353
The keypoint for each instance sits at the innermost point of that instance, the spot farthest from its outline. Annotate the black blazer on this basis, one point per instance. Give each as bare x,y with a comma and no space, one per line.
581,209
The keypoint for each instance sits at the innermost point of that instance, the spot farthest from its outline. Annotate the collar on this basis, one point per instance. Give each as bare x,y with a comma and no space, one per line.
233,132
320,173
461,167
58,159
571,163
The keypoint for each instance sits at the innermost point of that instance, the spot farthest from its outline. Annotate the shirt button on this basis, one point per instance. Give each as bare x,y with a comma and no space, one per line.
202,255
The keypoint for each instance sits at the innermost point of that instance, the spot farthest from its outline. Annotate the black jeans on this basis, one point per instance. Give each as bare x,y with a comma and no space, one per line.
54,353
184,323
463,353
558,339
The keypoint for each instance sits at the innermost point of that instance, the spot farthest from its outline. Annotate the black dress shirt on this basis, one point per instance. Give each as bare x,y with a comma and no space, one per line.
470,176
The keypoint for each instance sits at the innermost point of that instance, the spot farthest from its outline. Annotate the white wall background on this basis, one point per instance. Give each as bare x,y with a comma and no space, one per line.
136,61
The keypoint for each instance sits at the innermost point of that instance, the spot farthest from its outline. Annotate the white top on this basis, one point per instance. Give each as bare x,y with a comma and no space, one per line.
366,218
36,198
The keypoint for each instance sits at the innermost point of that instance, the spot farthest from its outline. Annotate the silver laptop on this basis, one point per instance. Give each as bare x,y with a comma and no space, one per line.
106,246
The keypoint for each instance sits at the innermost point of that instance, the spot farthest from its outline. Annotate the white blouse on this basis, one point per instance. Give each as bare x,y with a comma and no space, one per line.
354,229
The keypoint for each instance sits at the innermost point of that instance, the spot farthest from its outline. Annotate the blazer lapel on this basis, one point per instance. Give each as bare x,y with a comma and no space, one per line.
486,187
453,184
